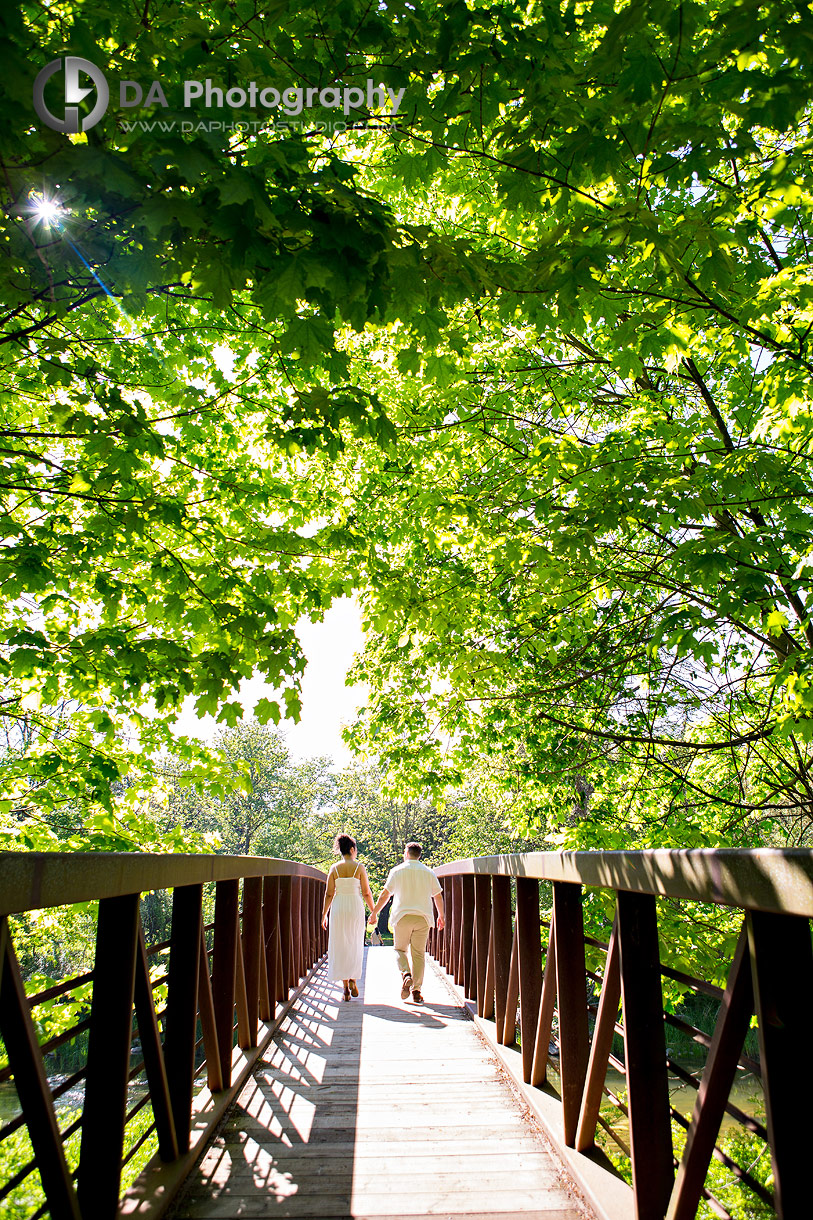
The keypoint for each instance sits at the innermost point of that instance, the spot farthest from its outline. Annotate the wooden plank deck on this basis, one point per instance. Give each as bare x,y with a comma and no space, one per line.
377,1108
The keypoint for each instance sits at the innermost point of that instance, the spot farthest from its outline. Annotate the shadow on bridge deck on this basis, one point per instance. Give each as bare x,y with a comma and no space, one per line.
377,1108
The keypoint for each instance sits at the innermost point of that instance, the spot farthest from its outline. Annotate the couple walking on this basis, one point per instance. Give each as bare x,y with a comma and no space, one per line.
413,888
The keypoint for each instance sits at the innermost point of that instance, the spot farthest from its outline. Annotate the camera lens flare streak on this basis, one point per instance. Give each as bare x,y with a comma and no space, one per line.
45,211
49,212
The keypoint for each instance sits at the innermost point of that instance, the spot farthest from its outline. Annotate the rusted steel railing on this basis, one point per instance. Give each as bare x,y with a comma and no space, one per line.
265,936
492,946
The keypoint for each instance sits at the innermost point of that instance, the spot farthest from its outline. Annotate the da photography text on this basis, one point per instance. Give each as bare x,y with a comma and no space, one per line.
63,113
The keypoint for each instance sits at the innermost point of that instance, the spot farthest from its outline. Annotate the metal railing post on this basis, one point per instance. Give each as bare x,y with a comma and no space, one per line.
574,1040
529,948
108,1060
645,1055
482,930
782,974
182,1004
457,957
271,899
252,944
467,936
224,970
286,934
503,934
22,1047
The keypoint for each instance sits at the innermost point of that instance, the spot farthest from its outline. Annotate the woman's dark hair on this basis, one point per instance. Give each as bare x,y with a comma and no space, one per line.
344,844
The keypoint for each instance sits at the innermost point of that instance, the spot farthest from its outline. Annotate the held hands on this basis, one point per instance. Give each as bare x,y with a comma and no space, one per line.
372,921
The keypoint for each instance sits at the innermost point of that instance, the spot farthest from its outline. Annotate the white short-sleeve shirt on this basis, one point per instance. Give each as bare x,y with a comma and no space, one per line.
413,887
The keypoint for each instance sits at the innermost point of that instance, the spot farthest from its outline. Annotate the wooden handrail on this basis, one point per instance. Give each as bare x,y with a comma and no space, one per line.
491,946
259,955
30,881
768,879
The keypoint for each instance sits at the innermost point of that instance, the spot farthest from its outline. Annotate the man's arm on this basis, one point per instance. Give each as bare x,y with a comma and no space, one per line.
382,901
441,913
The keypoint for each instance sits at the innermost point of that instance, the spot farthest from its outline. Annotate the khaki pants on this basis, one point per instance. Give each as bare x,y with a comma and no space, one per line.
411,931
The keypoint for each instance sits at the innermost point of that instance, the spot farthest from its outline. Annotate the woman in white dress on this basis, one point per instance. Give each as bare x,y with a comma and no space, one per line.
346,883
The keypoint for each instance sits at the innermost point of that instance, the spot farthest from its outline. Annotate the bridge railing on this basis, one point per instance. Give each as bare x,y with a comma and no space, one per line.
493,948
221,986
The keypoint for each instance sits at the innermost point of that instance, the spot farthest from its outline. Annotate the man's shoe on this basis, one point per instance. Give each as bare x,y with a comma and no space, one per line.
406,986
417,998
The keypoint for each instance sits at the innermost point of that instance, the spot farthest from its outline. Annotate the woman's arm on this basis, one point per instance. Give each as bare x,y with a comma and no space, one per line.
365,888
330,894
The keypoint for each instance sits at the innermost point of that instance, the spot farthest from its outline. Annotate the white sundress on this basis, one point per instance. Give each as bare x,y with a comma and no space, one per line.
345,945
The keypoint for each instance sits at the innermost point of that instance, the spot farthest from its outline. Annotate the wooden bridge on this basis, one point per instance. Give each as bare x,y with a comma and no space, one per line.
224,1077
377,1108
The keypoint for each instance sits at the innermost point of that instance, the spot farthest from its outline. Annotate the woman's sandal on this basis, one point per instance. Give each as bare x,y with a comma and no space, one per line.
347,993
353,987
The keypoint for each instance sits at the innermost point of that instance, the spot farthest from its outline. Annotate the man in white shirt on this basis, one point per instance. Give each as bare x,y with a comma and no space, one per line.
413,887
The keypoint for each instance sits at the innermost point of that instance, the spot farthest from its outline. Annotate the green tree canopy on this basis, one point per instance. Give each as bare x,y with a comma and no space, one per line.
528,364
269,808
152,506
591,552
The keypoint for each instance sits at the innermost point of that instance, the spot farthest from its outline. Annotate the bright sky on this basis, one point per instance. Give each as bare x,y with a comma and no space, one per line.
327,704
